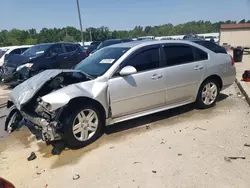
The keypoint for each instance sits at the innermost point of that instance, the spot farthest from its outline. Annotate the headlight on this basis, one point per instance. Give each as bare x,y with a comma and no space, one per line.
28,65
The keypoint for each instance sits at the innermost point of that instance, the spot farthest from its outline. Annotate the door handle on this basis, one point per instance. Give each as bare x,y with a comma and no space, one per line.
198,67
156,76
65,57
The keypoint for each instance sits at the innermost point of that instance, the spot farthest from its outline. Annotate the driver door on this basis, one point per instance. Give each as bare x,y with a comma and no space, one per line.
140,91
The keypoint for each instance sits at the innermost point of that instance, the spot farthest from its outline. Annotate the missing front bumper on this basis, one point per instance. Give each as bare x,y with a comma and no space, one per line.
49,129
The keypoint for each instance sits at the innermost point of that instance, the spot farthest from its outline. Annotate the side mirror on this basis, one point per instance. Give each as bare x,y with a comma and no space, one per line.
128,70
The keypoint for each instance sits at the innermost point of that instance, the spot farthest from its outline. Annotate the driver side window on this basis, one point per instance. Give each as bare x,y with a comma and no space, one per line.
145,60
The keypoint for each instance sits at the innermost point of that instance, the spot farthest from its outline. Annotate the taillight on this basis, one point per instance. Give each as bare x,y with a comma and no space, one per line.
85,53
232,61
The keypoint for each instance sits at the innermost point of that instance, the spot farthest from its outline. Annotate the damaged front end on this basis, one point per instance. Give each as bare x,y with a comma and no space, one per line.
39,115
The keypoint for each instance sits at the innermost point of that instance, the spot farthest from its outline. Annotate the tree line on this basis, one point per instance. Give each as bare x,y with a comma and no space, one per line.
71,34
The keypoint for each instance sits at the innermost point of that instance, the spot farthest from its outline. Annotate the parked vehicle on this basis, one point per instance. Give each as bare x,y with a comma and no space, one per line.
5,51
38,58
110,42
146,38
118,83
96,43
5,183
211,46
212,38
87,49
189,37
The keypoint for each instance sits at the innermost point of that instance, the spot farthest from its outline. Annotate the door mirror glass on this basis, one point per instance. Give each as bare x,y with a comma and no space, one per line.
128,70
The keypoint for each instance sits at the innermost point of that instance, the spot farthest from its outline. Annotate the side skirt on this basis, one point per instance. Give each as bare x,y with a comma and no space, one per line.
111,121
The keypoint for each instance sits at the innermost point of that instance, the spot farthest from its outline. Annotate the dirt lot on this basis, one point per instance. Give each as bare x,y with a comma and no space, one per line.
177,148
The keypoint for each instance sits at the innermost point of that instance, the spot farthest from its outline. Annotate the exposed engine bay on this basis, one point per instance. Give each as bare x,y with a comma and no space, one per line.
38,114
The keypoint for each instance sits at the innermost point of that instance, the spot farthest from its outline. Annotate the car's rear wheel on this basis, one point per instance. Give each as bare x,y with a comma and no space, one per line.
208,94
83,127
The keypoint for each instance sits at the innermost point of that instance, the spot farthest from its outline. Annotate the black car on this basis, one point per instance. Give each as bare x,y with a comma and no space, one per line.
210,45
87,49
96,43
40,57
111,42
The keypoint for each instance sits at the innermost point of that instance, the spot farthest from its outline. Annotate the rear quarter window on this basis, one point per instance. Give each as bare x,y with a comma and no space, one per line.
178,54
199,54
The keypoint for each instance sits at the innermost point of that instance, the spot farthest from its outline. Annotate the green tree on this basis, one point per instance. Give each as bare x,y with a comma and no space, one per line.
30,41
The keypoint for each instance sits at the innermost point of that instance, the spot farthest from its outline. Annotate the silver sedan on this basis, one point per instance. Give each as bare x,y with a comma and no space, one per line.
118,83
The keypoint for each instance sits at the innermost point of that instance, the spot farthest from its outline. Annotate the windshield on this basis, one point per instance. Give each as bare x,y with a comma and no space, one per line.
36,50
98,63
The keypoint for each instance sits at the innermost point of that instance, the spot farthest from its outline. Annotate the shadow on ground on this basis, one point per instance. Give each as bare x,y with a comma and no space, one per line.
112,134
122,131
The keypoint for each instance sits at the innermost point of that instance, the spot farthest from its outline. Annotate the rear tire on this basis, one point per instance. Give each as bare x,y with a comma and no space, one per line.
83,126
208,94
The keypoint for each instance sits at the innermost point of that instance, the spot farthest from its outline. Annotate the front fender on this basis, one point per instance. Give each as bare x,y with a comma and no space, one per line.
61,97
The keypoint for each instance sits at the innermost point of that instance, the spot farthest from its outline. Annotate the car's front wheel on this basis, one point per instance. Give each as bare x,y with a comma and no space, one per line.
208,94
83,127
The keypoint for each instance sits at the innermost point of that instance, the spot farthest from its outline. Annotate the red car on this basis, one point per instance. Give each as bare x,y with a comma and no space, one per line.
5,184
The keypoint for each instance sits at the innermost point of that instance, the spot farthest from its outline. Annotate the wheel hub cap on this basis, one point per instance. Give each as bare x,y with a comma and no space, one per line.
209,93
85,125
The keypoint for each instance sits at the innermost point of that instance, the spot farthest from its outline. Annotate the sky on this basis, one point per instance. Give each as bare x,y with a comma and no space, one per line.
117,14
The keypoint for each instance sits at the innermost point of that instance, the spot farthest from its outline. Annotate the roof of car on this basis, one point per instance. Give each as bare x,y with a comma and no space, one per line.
148,42
51,43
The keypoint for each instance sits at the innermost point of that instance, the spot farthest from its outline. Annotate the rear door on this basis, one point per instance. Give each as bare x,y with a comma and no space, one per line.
184,71
72,55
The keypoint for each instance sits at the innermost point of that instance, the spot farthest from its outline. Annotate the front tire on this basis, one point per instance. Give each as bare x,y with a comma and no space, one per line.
13,119
83,127
208,94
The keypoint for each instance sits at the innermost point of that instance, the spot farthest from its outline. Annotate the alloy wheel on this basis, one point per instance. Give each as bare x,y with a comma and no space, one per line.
209,93
85,124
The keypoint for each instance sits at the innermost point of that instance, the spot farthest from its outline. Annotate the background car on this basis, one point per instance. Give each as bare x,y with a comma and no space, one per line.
5,51
96,43
39,58
189,37
87,49
110,42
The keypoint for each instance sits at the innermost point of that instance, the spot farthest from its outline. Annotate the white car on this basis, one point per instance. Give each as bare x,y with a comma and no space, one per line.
208,38
12,50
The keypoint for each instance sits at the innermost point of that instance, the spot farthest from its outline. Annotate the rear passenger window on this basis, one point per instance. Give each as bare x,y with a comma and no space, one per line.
200,55
176,55
146,60
70,48
57,49
16,51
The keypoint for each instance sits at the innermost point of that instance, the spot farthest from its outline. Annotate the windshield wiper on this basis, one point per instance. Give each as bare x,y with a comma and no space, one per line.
88,76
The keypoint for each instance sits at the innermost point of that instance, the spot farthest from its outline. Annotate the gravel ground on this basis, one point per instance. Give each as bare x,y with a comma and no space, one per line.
176,148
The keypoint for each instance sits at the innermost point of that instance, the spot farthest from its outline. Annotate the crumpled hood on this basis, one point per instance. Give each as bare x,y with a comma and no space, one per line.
22,93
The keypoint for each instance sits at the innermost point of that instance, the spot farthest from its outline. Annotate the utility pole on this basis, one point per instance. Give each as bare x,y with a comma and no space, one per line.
80,20
90,34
